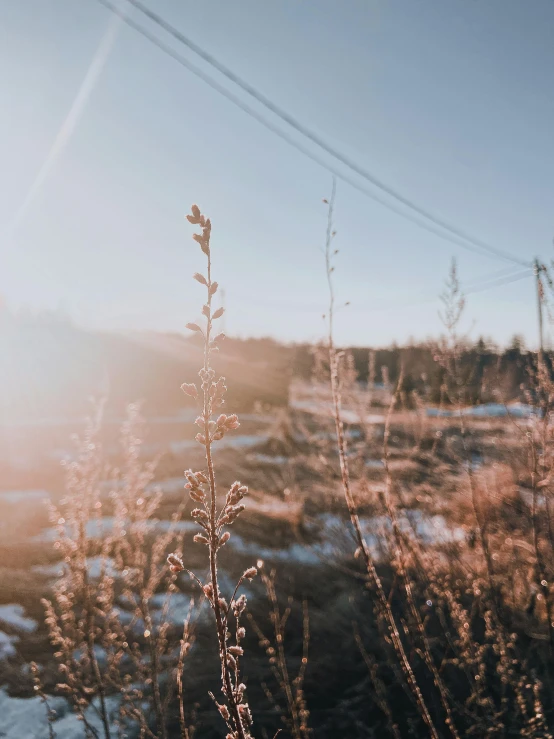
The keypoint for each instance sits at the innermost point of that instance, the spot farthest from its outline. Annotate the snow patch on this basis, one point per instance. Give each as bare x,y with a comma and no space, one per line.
13,614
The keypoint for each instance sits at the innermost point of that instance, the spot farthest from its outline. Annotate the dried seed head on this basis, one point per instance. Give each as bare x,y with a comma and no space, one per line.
200,438
241,632
245,714
224,538
189,389
175,563
224,711
218,313
208,590
239,605
236,651
232,422
200,539
250,573
191,477
193,327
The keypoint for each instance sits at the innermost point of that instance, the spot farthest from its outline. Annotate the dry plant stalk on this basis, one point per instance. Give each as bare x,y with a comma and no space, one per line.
297,714
363,549
235,710
102,618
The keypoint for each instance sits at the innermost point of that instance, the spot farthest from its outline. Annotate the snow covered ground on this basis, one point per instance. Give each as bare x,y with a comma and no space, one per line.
487,410
7,648
28,496
26,718
14,615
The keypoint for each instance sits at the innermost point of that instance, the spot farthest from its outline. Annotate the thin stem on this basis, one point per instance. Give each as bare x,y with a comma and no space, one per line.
220,617
350,502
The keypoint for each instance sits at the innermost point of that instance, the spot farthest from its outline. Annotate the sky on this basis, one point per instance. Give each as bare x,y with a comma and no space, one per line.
105,142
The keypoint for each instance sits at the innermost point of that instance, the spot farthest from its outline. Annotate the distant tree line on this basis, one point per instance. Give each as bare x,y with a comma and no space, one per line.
487,372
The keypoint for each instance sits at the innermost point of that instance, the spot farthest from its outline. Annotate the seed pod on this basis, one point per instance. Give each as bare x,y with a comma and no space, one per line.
193,327
175,563
200,278
224,711
224,538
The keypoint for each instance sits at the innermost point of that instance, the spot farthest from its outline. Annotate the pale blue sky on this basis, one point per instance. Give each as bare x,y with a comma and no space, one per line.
450,102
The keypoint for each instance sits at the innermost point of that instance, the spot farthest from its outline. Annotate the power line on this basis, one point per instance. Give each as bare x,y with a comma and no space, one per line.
461,236
496,275
189,66
501,283
491,281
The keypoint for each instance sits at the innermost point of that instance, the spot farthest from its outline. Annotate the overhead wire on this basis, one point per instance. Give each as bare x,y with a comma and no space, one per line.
183,61
497,274
464,239
501,282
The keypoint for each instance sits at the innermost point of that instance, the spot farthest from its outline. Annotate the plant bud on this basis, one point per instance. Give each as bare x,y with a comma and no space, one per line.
193,327
200,278
250,573
224,711
175,563
189,389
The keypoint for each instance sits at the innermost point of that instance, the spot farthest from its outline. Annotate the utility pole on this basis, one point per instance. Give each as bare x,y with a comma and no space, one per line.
538,268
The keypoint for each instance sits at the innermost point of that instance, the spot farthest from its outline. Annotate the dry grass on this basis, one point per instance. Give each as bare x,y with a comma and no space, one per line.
410,633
